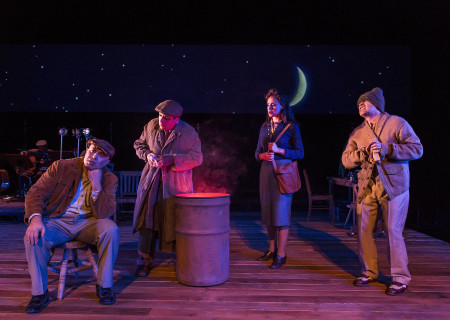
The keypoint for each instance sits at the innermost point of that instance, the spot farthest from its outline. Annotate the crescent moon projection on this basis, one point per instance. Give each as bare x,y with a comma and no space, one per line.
301,88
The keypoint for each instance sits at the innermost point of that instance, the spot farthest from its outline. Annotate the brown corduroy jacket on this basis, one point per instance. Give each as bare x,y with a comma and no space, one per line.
55,189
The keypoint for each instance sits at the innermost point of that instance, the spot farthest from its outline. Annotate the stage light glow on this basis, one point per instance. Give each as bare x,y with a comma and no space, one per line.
62,131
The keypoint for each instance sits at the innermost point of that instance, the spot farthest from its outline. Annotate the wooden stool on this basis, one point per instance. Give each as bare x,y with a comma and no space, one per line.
78,265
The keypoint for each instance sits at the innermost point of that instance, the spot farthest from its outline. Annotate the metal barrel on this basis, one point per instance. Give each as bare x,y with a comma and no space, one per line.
202,238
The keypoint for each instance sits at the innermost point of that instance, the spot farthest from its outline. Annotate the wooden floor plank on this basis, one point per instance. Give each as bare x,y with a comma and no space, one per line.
316,282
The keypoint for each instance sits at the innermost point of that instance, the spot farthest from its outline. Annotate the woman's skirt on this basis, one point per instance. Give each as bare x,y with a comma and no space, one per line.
275,206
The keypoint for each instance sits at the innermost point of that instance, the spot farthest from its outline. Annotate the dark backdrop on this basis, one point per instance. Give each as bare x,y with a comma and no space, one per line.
422,26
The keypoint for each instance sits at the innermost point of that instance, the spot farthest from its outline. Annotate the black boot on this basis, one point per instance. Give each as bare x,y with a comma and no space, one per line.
38,303
106,296
142,270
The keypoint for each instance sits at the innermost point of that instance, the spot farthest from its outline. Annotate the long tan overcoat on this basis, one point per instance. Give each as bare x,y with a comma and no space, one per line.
184,144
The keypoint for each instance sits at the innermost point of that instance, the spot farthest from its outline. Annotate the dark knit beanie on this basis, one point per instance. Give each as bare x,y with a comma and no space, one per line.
375,96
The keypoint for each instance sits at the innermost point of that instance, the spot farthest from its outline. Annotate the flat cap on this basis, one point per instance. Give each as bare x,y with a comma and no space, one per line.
41,143
104,145
170,108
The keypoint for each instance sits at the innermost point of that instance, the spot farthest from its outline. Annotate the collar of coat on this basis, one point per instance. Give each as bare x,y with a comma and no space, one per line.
176,129
380,123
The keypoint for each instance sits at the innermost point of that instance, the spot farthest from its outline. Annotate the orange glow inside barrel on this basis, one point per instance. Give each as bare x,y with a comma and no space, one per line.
202,195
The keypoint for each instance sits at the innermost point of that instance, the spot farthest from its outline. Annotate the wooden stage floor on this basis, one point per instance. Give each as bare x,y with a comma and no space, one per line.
316,283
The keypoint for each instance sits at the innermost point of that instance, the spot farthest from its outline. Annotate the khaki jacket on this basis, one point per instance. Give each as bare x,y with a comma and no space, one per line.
400,145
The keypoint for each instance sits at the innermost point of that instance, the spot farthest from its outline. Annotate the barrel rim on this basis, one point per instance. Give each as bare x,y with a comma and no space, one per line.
202,195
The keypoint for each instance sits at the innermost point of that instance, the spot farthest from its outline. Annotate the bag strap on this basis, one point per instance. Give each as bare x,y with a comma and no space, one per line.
279,136
372,131
284,130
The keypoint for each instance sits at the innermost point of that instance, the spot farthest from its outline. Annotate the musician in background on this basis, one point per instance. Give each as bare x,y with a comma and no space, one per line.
40,159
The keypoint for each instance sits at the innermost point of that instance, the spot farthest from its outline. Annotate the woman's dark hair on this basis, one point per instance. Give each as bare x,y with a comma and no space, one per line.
286,113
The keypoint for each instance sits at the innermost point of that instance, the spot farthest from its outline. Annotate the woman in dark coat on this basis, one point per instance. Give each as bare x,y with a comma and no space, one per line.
275,206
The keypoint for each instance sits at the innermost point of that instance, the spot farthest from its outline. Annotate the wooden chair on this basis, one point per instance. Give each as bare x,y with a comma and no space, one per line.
63,268
127,189
352,207
320,198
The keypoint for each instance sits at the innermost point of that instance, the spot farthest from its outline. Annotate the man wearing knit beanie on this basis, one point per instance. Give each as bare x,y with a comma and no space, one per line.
375,96
381,147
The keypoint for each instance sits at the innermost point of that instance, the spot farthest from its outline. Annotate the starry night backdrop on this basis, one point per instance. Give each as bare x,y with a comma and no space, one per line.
226,55
113,90
203,78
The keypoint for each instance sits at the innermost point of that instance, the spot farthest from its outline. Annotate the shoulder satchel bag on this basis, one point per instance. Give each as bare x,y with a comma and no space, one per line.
287,175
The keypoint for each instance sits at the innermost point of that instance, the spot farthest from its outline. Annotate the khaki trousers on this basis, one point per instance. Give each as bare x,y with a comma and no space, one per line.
103,233
394,215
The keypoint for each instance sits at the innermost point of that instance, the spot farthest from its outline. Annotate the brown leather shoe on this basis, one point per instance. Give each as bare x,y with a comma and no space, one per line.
363,281
396,288
267,256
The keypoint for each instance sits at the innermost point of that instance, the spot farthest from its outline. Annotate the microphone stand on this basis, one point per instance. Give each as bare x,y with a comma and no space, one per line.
77,133
62,133
87,135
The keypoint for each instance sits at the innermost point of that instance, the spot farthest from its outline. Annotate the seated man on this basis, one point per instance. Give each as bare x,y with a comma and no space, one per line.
79,196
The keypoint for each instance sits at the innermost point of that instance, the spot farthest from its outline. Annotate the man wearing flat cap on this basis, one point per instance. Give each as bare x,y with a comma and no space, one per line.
170,148
79,196
382,146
